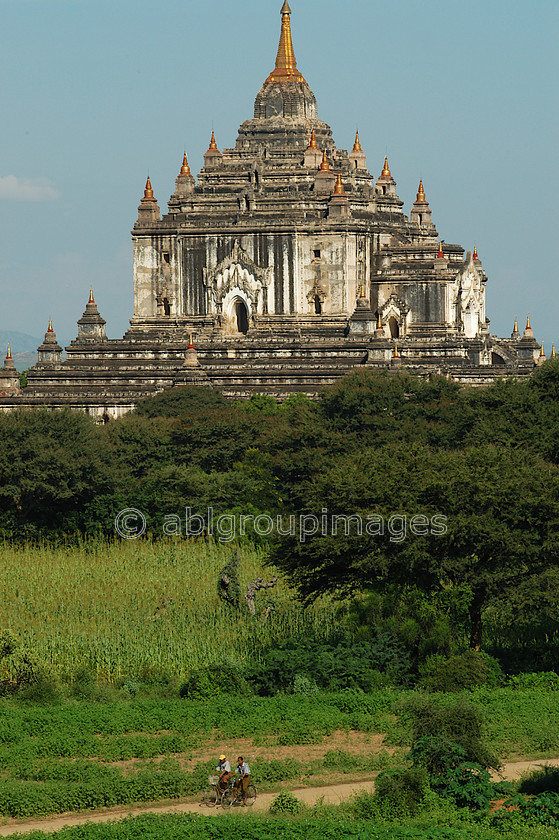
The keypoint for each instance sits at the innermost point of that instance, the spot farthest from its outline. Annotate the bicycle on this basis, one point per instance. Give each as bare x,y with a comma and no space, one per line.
211,795
234,796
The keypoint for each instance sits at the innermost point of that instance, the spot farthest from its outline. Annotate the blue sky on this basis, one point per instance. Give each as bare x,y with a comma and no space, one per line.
96,94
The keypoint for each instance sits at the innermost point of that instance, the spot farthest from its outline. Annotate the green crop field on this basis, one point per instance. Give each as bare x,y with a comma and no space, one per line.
124,607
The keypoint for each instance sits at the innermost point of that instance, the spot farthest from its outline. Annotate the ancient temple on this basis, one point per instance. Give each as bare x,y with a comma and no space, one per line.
282,266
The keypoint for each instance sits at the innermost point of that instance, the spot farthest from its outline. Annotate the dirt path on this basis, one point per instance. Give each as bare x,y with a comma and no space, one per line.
331,794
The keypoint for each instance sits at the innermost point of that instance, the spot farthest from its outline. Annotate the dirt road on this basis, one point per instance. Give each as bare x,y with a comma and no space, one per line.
331,794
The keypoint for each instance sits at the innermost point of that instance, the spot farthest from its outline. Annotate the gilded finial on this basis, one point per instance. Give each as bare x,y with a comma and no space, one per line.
50,329
213,144
386,170
440,255
91,298
185,168
515,330
379,322
421,193
190,342
362,291
542,353
357,144
528,327
324,166
553,351
312,144
339,188
9,353
396,354
286,65
475,253
148,192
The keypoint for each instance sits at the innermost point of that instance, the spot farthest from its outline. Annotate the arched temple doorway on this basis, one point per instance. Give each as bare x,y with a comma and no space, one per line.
317,305
241,316
394,328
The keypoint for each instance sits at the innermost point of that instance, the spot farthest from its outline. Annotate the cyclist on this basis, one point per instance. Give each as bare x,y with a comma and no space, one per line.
224,770
244,771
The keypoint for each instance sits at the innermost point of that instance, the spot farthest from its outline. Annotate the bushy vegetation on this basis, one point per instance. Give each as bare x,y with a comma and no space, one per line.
313,826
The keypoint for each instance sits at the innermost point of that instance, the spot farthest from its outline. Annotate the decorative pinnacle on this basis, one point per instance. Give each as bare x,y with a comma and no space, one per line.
475,253
379,322
91,298
286,65
213,144
190,342
148,192
339,188
362,291
312,144
515,330
542,353
386,170
185,168
324,166
396,354
553,351
440,255
421,193
528,327
50,329
9,353
357,144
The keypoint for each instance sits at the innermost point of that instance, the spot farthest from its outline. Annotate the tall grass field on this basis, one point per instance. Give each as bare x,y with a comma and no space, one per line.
125,606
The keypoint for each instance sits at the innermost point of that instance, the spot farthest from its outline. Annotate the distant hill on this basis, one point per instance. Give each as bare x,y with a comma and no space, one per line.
24,348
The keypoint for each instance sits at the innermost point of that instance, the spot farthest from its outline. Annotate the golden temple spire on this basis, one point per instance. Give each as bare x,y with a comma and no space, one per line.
324,166
515,330
91,298
396,354
185,168
286,65
386,170
9,353
357,144
552,351
339,188
148,192
475,253
440,255
190,342
362,291
542,353
421,193
528,327
50,329
312,144
379,322
213,144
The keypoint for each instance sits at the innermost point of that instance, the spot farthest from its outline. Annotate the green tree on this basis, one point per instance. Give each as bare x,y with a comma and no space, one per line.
52,466
500,525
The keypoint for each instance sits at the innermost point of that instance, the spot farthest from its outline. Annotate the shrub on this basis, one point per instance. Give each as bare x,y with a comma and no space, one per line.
402,790
468,784
302,684
286,803
463,671
214,680
544,779
436,754
459,722
547,680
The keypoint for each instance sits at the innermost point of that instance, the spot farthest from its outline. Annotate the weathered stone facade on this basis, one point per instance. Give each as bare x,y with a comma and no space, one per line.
289,264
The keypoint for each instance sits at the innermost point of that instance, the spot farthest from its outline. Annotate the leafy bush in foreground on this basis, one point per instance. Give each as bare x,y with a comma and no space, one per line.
402,791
